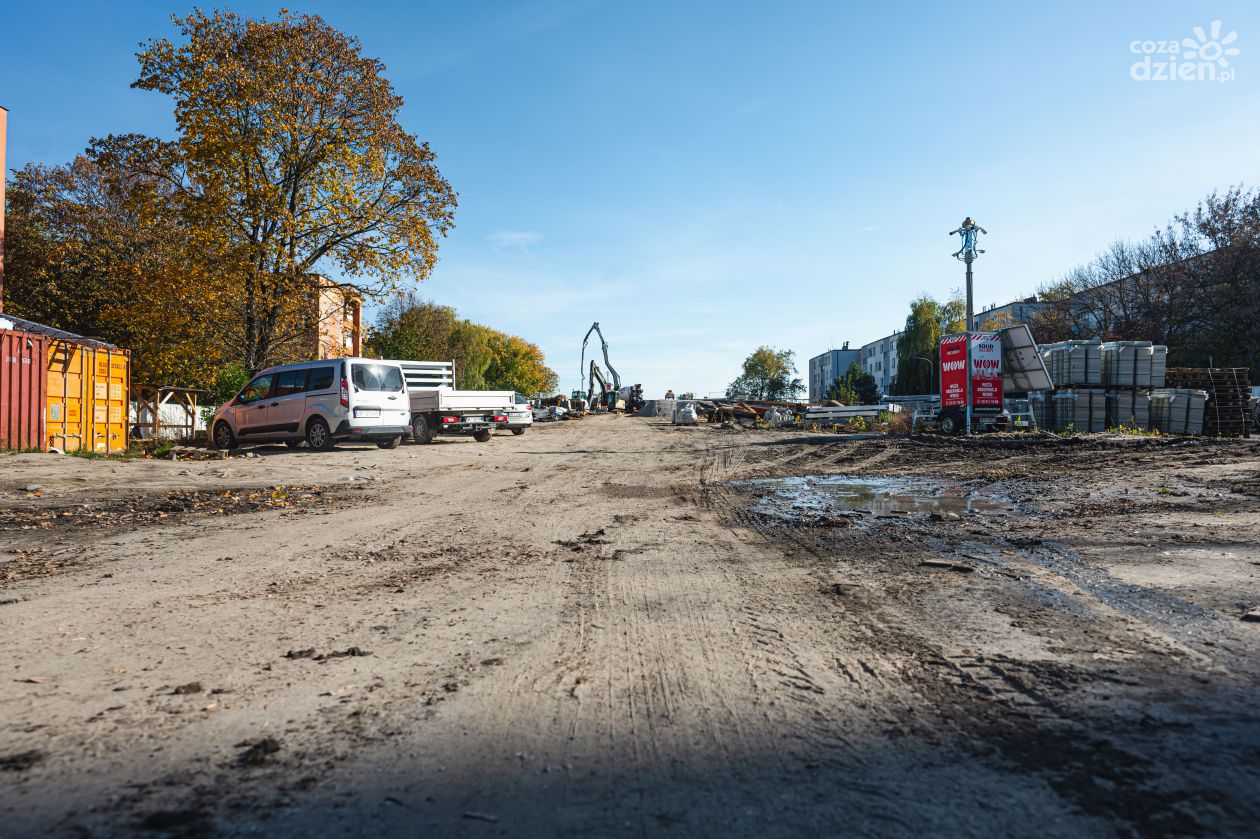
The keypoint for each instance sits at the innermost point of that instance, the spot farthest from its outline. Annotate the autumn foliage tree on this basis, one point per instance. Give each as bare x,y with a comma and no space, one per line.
100,252
289,158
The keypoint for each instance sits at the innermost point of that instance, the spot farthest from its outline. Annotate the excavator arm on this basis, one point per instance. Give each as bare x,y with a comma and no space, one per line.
596,376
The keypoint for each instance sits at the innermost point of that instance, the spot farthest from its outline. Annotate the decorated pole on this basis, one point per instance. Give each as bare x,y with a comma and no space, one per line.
969,234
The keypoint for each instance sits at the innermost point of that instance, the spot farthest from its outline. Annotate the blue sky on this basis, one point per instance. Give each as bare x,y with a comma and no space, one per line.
705,177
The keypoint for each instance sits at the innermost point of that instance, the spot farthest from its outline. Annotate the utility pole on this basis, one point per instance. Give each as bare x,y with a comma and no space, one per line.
969,232
4,130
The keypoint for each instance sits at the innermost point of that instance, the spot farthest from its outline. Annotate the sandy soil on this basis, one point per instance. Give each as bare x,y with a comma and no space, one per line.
591,630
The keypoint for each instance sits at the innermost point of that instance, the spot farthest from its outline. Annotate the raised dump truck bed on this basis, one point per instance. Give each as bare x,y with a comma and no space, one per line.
437,408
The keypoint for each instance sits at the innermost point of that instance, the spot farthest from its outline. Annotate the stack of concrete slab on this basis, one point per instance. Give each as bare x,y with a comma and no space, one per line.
1128,409
1080,409
1178,410
1073,363
1159,364
1127,363
1042,404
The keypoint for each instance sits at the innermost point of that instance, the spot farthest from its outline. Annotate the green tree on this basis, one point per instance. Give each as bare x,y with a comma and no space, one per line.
516,364
921,338
856,387
840,391
410,327
768,375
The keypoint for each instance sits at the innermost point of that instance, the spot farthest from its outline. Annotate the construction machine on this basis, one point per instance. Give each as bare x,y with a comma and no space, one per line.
605,396
608,397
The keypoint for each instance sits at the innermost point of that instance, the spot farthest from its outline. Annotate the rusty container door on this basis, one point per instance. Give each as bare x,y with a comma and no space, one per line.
23,358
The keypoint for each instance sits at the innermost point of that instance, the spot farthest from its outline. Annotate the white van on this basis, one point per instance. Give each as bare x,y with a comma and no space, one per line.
318,403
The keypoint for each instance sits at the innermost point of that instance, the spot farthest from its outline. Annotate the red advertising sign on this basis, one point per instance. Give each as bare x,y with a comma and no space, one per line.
953,371
985,373
986,370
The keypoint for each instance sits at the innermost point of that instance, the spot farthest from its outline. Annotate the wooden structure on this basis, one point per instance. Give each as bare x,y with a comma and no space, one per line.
165,412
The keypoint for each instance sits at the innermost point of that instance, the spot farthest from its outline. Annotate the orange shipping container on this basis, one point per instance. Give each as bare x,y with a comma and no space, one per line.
88,389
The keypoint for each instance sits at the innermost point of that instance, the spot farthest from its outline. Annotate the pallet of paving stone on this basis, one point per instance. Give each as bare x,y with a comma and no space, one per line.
1178,410
1128,409
1227,412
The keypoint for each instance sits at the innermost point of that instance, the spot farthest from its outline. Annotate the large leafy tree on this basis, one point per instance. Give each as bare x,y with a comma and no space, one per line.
290,158
411,327
768,374
927,321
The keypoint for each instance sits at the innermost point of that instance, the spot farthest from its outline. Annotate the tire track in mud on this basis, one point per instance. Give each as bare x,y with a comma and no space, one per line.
1024,708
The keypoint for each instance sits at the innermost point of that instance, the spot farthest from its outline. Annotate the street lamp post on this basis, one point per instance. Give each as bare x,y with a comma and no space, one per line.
969,234
931,371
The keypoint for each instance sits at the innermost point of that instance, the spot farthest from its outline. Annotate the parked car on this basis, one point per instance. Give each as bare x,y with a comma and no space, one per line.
318,403
519,417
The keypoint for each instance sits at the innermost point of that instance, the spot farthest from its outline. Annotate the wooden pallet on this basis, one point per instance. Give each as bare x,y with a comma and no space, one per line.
1229,392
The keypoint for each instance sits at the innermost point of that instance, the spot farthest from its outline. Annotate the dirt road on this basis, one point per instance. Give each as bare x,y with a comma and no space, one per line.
600,628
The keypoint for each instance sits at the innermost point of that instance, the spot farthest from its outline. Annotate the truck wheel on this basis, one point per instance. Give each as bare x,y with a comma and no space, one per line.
391,443
518,431
223,437
482,436
420,431
318,436
949,423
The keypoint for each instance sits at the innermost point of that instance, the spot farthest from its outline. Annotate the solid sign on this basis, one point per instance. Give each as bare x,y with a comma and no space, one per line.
985,377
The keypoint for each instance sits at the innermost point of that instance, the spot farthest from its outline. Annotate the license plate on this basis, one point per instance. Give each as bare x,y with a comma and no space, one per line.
367,412
474,419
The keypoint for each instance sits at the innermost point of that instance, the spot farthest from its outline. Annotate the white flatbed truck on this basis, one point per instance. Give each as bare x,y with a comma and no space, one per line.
437,408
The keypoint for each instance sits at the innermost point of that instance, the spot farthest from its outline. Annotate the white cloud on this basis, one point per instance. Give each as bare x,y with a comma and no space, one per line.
514,238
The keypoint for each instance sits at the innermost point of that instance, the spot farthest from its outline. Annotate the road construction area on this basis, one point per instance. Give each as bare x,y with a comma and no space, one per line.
618,627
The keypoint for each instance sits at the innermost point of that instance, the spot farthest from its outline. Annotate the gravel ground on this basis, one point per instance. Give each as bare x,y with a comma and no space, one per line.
597,628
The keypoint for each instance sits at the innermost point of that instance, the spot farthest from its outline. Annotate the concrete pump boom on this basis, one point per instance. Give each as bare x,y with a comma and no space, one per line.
582,369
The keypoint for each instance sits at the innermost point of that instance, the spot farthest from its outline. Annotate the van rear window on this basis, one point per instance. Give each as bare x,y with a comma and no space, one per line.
321,378
376,377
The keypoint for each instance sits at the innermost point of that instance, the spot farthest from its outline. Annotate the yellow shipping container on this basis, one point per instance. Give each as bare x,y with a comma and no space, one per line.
88,389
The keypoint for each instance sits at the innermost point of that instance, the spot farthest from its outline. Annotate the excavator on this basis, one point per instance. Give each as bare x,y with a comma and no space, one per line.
608,397
601,397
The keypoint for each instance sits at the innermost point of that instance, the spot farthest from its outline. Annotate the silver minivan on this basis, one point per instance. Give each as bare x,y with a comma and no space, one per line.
318,403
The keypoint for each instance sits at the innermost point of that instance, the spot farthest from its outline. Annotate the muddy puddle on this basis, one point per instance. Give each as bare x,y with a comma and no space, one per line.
821,495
